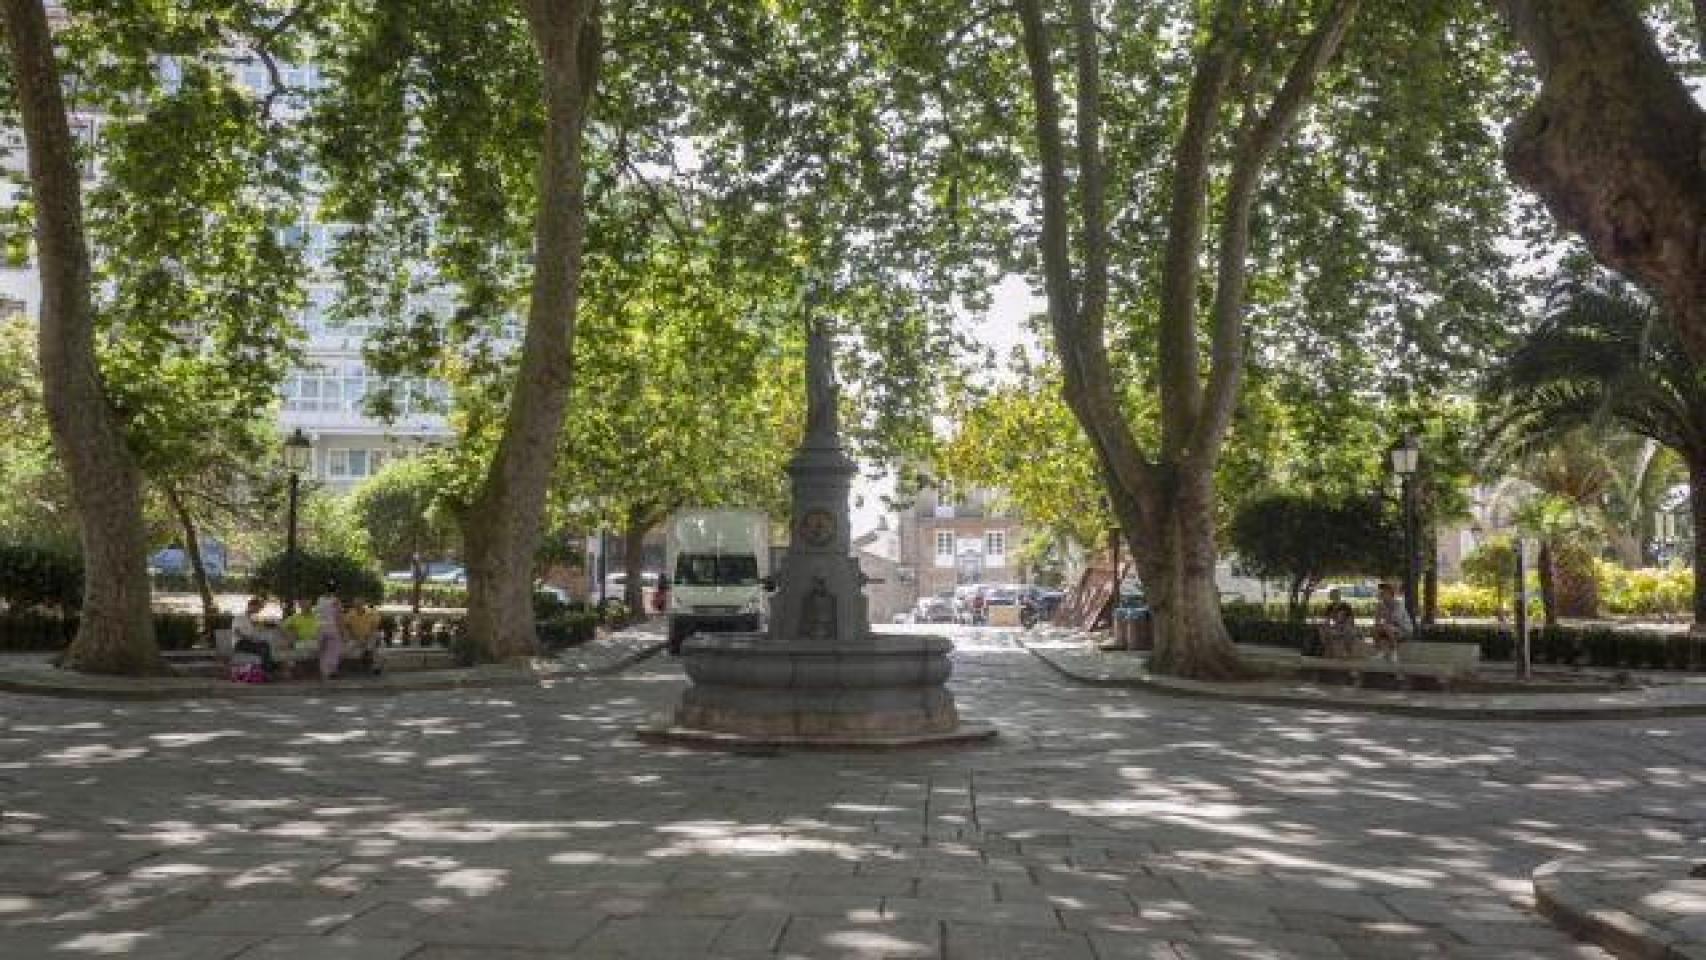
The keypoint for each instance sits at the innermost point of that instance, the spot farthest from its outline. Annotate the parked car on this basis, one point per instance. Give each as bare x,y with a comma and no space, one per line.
434,570
553,591
454,575
934,609
616,583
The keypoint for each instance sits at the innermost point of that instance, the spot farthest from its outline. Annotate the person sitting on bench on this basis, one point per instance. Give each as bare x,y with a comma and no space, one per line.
248,637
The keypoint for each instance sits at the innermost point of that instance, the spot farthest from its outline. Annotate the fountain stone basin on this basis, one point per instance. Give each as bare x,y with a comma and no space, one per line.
883,685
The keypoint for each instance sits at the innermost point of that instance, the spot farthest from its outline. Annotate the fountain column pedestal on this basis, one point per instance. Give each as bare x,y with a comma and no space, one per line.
818,676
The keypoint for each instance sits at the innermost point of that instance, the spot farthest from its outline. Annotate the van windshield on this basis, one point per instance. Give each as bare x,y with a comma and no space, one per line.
716,570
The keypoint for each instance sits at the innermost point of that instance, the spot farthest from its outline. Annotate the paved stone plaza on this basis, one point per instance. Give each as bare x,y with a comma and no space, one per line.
526,823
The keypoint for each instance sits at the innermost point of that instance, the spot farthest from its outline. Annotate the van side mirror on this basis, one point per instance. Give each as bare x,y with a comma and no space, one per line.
769,584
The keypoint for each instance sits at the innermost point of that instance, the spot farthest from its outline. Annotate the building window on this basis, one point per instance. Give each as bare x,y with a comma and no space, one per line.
348,464
995,547
944,548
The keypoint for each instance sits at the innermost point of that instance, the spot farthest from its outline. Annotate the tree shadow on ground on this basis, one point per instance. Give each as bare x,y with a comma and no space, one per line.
1102,824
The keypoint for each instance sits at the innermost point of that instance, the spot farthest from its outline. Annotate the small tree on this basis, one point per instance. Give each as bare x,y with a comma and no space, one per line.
1491,566
1306,540
402,513
313,572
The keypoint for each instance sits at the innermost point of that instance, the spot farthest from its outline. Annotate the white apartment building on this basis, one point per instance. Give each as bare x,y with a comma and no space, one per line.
326,395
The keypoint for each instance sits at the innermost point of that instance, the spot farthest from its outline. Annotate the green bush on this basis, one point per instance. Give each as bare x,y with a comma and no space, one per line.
1646,592
1466,600
432,595
313,571
1496,643
567,629
1271,633
34,631
184,583
40,577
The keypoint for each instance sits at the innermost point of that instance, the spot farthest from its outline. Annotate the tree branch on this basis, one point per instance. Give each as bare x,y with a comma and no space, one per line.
1180,378
1256,147
1088,389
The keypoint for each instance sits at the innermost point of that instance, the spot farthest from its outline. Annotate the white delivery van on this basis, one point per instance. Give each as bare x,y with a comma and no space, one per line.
717,563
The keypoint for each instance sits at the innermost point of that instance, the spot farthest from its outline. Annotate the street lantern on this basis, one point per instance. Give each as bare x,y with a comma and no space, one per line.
298,454
1406,457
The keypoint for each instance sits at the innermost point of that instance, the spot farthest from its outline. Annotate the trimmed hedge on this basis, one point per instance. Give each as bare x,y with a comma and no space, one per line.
184,583
1561,645
31,631
32,577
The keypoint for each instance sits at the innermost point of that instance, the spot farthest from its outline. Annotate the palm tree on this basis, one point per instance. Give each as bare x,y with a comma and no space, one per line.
1607,355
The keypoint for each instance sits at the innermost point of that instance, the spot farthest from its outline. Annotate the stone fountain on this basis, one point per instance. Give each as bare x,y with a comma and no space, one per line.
819,676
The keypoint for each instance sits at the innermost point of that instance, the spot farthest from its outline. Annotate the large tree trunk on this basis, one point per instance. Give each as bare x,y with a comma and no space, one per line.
501,530
1548,585
1627,547
1616,147
1164,499
116,634
198,566
1177,564
634,563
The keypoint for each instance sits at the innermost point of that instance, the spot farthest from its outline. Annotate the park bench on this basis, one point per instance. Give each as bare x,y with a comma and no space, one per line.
1437,665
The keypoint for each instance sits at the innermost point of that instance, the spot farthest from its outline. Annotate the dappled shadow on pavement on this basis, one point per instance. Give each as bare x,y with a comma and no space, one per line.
1103,824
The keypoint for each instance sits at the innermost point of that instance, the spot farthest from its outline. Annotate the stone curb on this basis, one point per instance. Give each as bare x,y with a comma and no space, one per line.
1482,714
466,678
1623,934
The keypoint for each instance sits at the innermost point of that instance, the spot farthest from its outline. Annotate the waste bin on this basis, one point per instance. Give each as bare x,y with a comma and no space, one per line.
1132,629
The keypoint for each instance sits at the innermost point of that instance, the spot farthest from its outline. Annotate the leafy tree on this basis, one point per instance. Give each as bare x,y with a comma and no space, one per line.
199,294
35,506
1021,439
1564,562
116,631
189,293
1603,354
689,394
403,515
1306,540
453,132
1612,145
313,571
1492,565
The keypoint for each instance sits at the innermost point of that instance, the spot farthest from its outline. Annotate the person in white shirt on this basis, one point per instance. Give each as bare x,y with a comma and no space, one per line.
247,635
1392,623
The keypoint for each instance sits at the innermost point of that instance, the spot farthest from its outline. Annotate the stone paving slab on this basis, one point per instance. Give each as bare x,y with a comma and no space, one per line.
611,653
525,823
1640,908
1074,656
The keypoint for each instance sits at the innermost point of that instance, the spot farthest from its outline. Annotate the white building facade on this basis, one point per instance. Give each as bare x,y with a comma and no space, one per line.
326,396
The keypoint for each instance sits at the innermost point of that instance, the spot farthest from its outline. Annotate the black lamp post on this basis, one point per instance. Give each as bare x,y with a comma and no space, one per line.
1405,459
298,452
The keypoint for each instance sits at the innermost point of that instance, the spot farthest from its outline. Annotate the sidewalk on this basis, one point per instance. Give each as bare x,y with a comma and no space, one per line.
1643,907
34,674
1072,654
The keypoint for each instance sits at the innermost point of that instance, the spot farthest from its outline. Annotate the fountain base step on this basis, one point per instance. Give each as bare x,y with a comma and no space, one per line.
880,691
665,731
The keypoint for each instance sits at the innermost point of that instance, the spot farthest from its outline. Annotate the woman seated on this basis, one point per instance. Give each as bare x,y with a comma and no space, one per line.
1340,639
361,630
248,636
